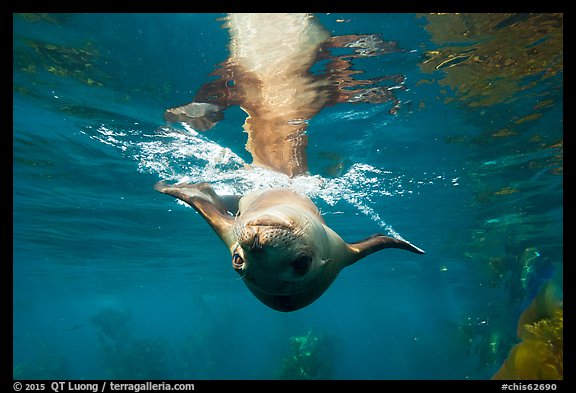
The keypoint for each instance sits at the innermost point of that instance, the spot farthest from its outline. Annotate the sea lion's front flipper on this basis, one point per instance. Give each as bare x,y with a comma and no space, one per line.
376,243
204,200
201,116
212,99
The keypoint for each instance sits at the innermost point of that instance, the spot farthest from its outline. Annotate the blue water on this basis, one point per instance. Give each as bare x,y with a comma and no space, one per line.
113,280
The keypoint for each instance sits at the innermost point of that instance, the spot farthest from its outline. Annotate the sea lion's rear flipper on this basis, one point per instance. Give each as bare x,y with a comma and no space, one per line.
214,209
376,243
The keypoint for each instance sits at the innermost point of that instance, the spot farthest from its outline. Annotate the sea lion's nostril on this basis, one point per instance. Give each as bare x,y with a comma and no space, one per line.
256,243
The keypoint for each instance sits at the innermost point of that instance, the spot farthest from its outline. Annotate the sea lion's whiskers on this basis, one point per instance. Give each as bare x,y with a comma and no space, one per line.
303,229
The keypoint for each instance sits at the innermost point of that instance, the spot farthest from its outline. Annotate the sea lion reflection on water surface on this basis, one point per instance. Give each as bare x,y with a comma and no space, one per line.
280,245
268,76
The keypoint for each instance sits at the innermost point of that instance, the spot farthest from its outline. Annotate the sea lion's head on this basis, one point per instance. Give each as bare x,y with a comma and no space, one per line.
282,255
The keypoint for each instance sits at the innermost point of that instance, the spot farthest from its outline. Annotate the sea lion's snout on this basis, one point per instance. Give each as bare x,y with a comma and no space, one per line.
249,239
266,232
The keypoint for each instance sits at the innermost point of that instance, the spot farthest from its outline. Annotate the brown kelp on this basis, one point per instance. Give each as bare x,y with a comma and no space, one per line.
540,353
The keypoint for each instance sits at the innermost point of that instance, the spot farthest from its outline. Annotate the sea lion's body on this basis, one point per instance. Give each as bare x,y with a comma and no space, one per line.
279,242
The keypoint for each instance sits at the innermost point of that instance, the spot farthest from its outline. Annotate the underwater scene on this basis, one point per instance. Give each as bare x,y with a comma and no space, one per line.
442,133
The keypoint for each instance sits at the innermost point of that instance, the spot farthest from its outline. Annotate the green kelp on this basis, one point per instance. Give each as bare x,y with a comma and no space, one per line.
194,358
494,66
48,363
477,339
139,358
488,58
540,353
74,58
112,324
125,355
528,260
65,61
308,358
504,73
56,19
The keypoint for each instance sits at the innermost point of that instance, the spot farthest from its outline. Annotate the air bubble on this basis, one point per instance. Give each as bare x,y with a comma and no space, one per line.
186,156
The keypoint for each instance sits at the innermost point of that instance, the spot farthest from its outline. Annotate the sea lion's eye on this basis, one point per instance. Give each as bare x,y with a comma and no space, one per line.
237,261
302,264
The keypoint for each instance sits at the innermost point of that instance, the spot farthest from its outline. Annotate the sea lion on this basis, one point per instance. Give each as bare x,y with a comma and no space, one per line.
280,245
268,74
